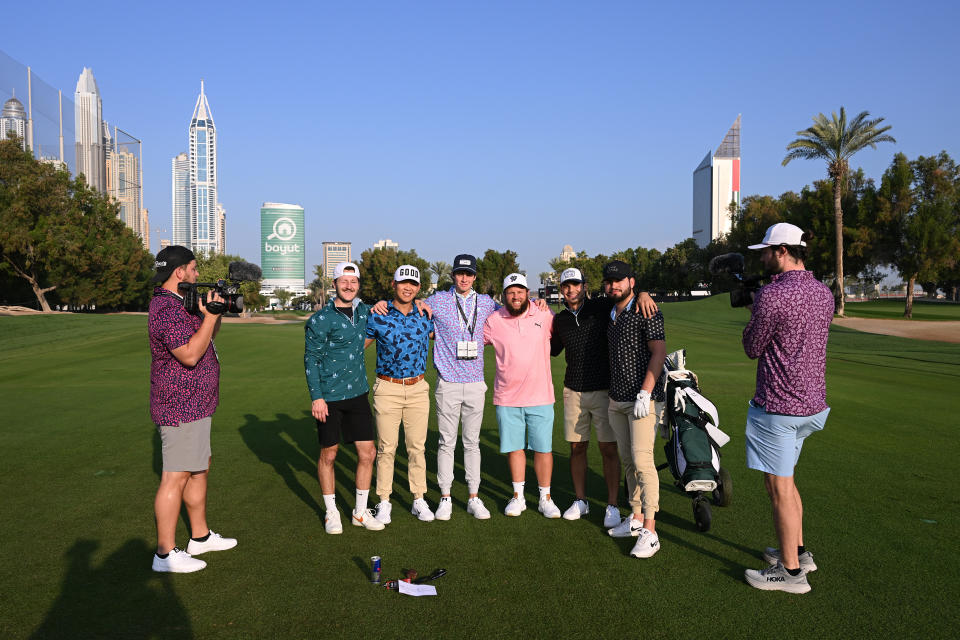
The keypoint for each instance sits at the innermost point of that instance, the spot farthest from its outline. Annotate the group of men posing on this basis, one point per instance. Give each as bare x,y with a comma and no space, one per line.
617,339
615,351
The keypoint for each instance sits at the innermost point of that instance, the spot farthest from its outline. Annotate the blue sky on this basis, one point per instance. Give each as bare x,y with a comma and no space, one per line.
456,126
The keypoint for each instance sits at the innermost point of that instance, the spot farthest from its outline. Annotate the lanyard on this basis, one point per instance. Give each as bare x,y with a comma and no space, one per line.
463,315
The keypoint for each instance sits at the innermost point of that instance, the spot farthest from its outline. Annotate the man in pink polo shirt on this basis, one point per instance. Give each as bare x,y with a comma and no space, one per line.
523,390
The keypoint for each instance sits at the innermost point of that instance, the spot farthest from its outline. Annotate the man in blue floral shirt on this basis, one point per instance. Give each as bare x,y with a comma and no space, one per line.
400,393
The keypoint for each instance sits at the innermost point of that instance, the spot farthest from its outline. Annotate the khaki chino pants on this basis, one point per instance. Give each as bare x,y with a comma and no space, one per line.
408,404
635,439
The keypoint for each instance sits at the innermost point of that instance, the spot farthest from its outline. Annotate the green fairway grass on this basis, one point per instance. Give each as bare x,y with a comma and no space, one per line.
893,310
81,463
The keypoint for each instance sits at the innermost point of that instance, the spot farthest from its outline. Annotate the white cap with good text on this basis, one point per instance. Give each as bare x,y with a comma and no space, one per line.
515,280
406,272
781,233
342,268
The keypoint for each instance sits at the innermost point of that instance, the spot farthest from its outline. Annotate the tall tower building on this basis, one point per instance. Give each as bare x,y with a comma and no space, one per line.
123,185
181,200
14,118
716,185
221,229
88,120
203,177
334,253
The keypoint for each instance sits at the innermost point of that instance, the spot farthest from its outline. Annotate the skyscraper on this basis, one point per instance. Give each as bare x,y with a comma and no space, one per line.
333,253
123,185
88,120
14,118
181,200
716,185
221,229
203,177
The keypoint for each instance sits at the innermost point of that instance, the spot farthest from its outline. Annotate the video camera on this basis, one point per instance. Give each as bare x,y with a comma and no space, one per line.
237,273
732,263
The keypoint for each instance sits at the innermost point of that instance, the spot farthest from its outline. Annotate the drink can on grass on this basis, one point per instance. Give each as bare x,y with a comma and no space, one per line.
375,569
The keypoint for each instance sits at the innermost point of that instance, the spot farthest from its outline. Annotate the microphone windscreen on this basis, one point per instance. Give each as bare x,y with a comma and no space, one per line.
242,270
726,263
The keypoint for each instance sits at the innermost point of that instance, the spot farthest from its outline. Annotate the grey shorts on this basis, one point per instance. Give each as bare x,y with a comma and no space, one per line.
187,447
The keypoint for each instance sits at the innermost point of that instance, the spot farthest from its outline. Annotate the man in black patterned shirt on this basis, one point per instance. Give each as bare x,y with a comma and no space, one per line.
637,349
581,328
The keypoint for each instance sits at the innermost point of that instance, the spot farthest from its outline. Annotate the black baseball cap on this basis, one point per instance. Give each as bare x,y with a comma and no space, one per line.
464,262
169,259
617,270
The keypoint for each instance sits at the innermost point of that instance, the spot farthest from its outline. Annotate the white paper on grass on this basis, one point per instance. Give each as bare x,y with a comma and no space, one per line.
417,589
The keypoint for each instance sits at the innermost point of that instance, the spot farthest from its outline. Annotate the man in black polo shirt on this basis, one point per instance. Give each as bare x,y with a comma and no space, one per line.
637,351
581,329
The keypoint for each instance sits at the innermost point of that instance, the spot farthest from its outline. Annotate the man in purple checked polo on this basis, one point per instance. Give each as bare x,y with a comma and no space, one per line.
787,333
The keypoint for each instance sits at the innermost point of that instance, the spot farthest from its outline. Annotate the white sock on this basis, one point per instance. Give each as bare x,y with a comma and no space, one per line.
330,502
544,492
361,500
518,488
442,498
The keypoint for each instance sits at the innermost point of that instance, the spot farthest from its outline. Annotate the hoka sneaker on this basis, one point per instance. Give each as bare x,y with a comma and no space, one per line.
629,527
444,509
331,522
214,542
548,507
772,556
383,511
577,509
367,520
421,509
516,506
476,508
776,578
177,561
611,517
648,543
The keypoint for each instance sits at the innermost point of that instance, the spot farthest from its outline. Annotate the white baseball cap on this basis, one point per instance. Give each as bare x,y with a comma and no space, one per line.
406,272
342,267
571,275
514,280
781,233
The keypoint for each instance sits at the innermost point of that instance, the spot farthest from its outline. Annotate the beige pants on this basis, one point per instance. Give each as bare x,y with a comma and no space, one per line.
410,404
635,439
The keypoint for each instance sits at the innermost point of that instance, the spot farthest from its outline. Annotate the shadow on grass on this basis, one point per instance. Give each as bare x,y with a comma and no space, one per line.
122,598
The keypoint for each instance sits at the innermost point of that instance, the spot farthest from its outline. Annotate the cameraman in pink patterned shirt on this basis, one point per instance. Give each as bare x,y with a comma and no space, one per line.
787,333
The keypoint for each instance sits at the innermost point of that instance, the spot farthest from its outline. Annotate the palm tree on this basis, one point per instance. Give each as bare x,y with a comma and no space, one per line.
442,270
835,140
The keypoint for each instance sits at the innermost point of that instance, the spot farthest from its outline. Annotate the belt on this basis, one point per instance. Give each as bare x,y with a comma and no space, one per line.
407,381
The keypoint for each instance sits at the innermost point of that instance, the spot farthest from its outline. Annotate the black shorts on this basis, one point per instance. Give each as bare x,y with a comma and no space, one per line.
351,417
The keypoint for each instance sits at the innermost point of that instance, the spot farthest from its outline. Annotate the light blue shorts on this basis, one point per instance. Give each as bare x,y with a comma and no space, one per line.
536,423
774,441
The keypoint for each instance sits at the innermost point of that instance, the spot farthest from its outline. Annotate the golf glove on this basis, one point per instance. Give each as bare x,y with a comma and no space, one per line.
641,408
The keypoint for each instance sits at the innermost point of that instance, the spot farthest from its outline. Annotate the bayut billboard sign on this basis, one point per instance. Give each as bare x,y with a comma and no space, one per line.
282,245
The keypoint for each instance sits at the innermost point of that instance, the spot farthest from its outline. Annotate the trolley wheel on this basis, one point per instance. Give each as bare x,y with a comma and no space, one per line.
723,494
701,513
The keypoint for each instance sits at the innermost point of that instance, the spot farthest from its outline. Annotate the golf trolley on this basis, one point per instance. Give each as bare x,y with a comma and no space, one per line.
690,423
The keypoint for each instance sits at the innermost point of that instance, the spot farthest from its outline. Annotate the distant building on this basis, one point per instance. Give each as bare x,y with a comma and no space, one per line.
123,187
14,118
145,229
181,199
164,243
282,248
386,244
203,177
334,253
716,184
88,129
567,254
221,229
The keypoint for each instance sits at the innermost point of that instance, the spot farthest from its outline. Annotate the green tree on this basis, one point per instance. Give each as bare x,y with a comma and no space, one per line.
377,267
444,276
216,266
492,268
283,297
836,141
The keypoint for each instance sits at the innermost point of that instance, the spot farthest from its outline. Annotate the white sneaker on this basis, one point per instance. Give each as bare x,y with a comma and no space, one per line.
548,508
421,509
331,522
772,556
648,543
629,527
776,578
177,561
444,509
476,508
577,509
214,542
383,511
367,520
516,506
611,517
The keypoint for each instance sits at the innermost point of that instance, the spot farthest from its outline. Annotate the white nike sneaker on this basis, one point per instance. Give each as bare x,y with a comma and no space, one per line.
444,509
476,508
331,522
577,509
421,509
611,517
548,507
516,506
648,543
367,520
384,509
629,527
